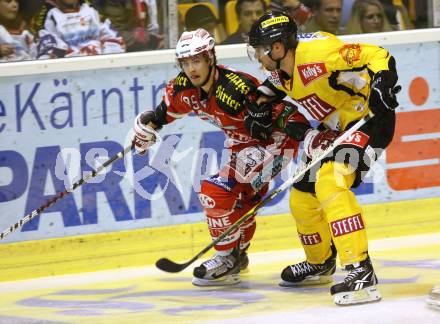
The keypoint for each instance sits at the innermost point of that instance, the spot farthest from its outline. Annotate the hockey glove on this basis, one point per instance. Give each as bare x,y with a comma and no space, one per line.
316,142
294,124
258,121
383,92
144,133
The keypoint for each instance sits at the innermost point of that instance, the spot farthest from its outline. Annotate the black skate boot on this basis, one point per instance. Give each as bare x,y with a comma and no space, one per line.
358,287
221,270
305,273
244,260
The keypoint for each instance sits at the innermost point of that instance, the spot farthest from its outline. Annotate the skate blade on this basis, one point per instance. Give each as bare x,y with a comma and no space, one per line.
223,281
433,302
309,281
363,296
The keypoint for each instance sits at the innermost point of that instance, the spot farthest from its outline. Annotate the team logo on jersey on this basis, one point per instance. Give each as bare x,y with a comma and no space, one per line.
230,91
227,100
311,72
317,108
311,36
206,201
350,53
240,84
358,139
347,225
181,80
310,239
306,36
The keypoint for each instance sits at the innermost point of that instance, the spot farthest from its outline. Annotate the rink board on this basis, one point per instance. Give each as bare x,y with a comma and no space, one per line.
61,115
181,242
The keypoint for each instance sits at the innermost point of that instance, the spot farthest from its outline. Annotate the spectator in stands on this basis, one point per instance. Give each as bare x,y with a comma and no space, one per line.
367,16
418,12
16,42
297,10
397,14
73,28
135,22
29,9
200,16
180,23
346,12
248,12
326,17
37,12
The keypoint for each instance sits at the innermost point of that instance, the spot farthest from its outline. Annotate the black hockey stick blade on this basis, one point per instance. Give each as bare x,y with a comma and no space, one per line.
167,265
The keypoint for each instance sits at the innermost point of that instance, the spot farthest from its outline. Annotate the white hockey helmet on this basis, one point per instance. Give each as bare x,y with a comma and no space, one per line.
195,42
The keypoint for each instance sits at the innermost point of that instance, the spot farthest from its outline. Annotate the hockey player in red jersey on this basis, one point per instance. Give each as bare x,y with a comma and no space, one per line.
261,139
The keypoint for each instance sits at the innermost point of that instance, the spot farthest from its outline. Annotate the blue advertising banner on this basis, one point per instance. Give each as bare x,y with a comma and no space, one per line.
57,127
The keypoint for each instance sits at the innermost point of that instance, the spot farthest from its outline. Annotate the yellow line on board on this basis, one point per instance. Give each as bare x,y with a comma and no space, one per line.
180,242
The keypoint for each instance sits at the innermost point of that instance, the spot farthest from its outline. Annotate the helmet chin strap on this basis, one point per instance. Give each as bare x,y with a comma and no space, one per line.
278,61
207,77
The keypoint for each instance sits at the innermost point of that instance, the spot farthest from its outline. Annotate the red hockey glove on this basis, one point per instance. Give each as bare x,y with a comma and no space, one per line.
145,135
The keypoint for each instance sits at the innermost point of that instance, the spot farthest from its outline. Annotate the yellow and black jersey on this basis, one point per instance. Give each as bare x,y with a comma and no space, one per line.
331,79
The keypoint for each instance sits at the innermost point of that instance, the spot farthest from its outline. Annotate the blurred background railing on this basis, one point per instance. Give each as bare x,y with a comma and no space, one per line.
48,29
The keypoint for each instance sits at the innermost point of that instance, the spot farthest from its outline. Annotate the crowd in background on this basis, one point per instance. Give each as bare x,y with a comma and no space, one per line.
45,29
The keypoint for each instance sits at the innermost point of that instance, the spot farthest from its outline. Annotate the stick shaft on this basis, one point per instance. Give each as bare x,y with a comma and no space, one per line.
63,194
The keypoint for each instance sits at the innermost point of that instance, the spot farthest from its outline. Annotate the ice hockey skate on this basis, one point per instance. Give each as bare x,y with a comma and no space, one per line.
222,270
305,273
244,260
434,297
358,287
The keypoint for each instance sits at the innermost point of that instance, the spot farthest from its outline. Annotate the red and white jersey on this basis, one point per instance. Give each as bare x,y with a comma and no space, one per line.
80,32
223,106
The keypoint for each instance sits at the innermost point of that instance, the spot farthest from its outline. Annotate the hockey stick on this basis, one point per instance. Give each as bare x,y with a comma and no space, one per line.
168,265
64,193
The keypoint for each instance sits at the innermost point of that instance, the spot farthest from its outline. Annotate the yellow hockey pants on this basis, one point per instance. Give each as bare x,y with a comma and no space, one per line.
332,214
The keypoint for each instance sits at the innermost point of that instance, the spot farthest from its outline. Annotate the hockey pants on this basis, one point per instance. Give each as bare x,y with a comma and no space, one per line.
332,214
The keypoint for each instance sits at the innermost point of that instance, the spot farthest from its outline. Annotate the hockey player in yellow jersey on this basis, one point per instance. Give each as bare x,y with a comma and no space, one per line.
338,84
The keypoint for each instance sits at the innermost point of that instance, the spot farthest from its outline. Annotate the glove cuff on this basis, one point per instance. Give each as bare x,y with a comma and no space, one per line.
308,141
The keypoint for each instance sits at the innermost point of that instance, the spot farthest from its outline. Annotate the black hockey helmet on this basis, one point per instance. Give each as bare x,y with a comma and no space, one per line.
273,26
